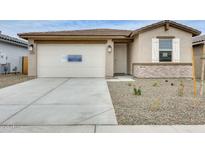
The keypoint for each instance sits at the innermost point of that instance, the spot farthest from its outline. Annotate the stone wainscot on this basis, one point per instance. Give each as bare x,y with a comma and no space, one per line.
162,70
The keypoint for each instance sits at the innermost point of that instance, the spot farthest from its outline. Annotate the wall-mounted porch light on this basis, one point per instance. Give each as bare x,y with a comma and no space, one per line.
30,48
109,48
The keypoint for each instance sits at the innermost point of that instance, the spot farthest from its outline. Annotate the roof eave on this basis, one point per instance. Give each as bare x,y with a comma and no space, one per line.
198,43
67,37
194,32
14,43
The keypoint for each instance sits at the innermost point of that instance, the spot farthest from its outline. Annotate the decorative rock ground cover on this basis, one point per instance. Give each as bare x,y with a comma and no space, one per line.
11,79
161,102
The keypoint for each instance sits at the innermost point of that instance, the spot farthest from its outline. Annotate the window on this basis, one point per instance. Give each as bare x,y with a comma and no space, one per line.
74,58
165,50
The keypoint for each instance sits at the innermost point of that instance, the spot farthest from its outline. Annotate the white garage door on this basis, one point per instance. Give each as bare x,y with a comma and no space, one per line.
59,60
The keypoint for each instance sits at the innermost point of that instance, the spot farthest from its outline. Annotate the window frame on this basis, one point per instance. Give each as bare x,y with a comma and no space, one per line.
167,50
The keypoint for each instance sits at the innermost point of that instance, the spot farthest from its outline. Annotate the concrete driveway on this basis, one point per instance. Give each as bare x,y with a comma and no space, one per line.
57,101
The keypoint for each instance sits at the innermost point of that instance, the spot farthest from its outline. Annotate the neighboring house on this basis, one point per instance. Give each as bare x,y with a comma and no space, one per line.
160,50
12,51
199,51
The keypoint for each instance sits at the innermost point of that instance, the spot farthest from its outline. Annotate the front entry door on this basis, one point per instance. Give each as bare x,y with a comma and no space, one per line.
120,57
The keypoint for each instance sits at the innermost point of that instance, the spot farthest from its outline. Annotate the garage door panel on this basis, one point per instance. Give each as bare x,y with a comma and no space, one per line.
64,72
50,60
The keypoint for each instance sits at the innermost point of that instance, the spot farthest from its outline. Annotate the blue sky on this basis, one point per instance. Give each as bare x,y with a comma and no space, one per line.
12,27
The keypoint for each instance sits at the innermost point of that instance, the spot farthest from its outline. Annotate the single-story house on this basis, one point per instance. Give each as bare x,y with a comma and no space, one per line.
199,54
159,50
12,53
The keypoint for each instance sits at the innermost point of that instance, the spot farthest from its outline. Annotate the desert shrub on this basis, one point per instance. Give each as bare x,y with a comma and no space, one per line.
155,105
155,84
137,91
129,84
181,89
172,84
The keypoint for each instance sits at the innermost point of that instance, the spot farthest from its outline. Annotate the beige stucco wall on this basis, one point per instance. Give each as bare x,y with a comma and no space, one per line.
32,60
141,48
133,50
109,63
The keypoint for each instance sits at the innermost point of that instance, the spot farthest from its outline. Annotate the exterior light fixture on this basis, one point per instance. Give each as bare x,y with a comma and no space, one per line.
30,47
109,48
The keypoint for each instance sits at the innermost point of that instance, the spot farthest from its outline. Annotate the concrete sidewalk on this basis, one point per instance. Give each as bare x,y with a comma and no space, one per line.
105,129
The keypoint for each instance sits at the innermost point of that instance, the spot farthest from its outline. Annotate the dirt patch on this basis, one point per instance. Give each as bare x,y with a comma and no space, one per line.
11,79
159,104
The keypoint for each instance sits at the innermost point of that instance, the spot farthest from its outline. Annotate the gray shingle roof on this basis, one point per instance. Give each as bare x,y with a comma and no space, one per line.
13,40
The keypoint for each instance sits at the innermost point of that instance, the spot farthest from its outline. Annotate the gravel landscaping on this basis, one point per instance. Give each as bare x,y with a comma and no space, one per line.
11,79
162,102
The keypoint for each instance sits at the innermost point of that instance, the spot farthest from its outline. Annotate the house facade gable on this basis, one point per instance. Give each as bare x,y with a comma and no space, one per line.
145,49
145,43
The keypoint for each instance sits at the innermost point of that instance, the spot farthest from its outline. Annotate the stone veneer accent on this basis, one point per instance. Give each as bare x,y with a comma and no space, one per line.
160,70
